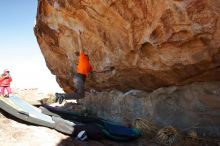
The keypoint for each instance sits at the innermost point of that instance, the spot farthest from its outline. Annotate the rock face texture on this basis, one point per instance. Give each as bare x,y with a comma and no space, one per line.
193,107
135,44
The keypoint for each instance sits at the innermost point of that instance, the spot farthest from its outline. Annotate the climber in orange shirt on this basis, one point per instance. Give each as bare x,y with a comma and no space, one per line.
82,71
84,66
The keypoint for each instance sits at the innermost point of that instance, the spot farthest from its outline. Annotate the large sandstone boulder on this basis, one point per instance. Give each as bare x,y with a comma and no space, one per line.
144,45
140,44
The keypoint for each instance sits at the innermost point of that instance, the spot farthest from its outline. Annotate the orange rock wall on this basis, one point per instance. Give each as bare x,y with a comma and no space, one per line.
141,44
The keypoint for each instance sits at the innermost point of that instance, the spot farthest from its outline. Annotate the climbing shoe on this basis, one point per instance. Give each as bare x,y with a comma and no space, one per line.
6,95
59,97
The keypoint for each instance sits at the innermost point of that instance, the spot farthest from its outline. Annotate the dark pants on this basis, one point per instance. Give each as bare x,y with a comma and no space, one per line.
79,84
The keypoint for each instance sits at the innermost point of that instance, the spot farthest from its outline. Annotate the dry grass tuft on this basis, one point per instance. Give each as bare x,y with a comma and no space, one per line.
146,127
167,136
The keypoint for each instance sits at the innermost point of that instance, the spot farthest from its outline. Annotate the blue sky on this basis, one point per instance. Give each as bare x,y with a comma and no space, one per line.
19,50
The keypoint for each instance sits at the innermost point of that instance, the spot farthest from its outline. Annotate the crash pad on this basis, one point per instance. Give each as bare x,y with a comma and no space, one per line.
24,111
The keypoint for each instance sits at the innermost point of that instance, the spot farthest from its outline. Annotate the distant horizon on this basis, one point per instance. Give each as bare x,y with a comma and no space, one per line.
19,50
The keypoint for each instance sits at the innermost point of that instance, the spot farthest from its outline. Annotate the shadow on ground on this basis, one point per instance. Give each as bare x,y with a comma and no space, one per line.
140,142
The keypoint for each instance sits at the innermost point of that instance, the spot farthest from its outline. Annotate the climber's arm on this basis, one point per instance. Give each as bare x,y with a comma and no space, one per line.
80,42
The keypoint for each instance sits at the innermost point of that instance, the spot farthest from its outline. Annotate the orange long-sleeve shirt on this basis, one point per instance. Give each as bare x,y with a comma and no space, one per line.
84,67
